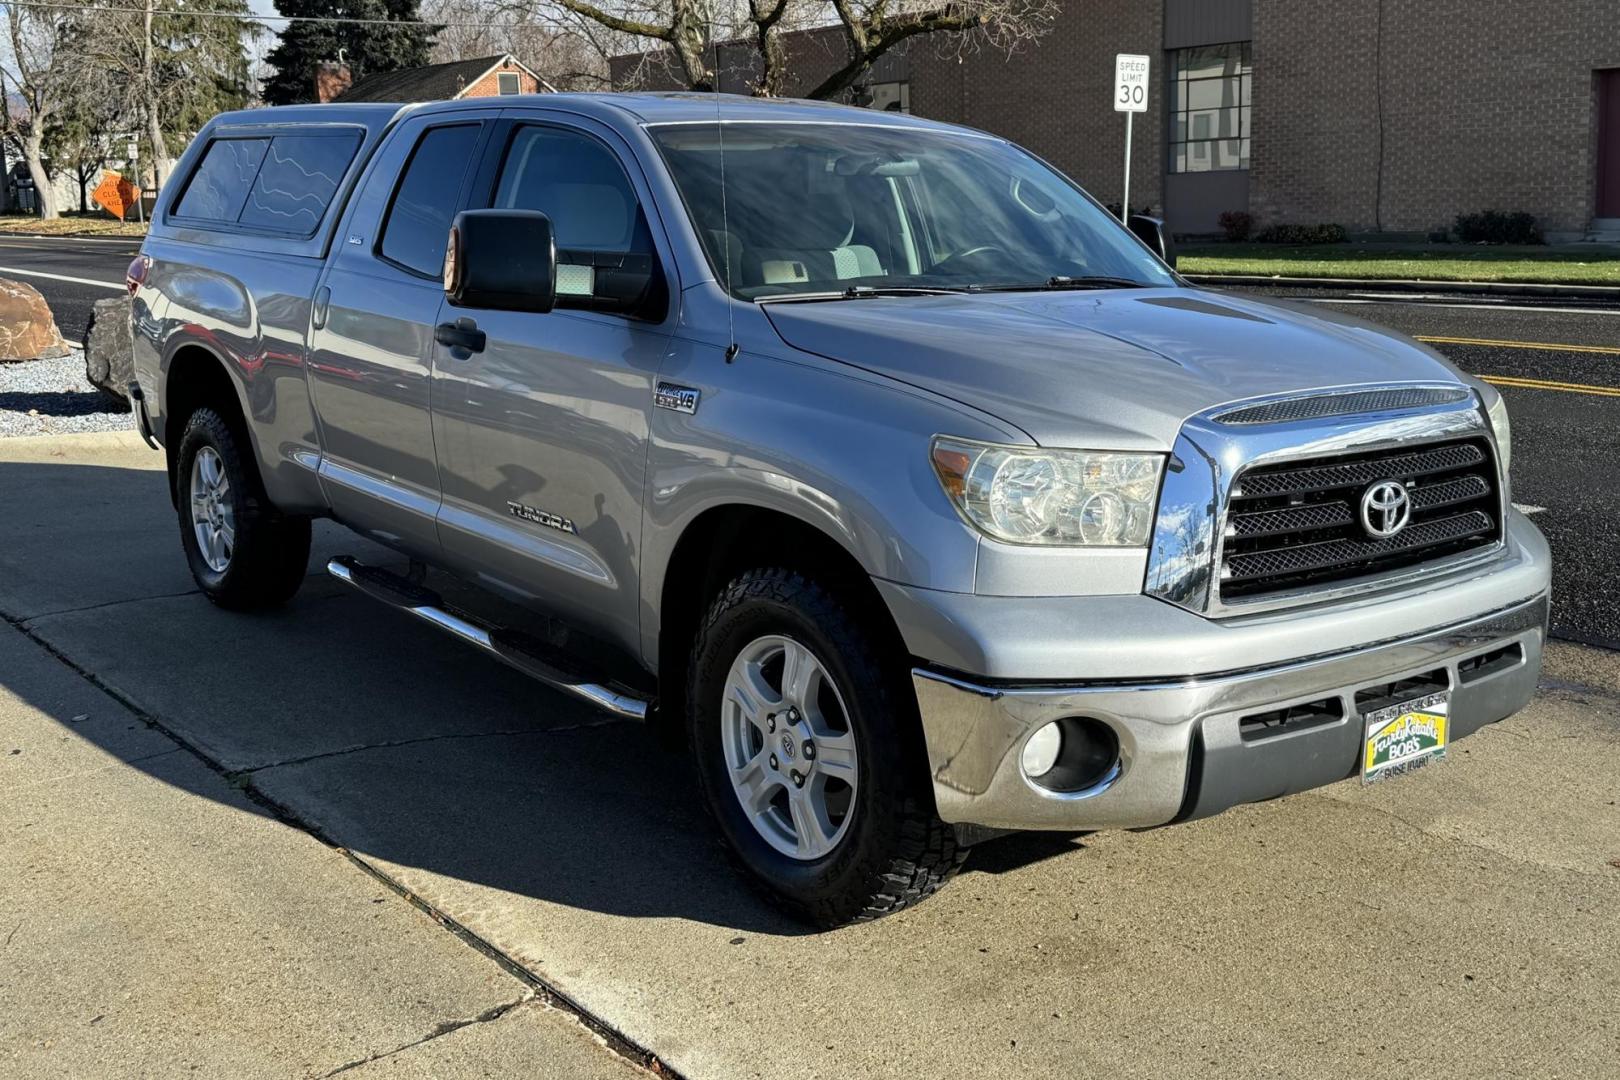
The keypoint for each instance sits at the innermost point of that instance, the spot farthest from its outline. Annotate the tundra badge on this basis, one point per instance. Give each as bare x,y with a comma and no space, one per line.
541,517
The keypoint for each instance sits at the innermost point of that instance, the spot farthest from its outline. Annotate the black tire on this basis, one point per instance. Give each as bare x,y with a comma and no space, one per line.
270,555
895,851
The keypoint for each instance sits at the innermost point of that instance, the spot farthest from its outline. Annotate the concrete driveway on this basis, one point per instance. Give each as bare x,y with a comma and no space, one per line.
387,811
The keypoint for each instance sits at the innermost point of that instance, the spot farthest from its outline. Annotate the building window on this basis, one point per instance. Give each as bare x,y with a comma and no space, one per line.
891,97
507,83
1209,121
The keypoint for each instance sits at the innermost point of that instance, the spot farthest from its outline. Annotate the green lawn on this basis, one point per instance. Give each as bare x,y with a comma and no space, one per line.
70,225
1565,265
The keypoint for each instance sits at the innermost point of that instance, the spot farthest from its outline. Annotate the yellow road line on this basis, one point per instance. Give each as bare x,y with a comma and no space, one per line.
1544,384
1601,350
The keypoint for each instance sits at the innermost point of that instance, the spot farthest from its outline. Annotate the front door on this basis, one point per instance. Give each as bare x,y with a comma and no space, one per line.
1608,145
371,343
542,435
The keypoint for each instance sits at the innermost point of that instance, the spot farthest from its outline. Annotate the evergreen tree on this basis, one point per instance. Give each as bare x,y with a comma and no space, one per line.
368,48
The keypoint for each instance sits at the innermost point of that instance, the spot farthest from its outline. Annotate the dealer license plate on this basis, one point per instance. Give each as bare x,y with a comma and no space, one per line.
1404,737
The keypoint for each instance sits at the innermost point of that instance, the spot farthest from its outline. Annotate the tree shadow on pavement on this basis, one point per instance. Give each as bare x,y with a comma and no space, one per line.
376,732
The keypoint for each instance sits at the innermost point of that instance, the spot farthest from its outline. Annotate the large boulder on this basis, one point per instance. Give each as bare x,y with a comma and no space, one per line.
108,360
27,330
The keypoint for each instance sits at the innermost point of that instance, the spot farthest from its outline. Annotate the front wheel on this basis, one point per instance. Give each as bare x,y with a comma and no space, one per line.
242,552
809,752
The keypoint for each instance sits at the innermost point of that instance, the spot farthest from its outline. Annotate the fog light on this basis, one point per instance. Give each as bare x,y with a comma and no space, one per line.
1042,750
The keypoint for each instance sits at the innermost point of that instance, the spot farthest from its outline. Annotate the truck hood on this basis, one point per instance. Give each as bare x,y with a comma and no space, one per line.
1116,369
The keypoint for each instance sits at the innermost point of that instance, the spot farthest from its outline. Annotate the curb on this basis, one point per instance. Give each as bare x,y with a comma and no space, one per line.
1603,294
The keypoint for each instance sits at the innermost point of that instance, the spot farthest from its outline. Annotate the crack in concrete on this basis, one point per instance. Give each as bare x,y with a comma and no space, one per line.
444,1027
345,751
616,1041
26,619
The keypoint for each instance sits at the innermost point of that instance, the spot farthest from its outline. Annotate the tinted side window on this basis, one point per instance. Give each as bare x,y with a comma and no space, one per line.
579,184
220,185
418,224
297,180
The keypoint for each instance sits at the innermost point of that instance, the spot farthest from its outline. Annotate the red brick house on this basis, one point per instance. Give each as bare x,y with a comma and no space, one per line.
486,76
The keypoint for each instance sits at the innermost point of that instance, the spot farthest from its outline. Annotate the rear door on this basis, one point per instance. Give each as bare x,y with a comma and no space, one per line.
371,343
542,435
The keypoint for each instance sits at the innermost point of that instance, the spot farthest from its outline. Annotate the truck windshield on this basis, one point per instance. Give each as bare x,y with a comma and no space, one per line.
843,209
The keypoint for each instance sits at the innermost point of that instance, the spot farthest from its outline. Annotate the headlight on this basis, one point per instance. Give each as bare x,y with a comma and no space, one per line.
1026,495
1504,431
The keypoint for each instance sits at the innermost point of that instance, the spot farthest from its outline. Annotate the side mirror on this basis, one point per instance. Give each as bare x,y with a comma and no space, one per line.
1151,231
501,260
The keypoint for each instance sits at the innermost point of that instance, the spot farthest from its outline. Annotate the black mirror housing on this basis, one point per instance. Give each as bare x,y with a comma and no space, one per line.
1152,232
502,260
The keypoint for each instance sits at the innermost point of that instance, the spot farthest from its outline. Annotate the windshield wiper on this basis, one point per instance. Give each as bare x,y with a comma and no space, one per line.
862,292
1057,282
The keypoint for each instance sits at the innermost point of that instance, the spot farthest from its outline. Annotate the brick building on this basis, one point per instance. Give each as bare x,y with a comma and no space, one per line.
1380,115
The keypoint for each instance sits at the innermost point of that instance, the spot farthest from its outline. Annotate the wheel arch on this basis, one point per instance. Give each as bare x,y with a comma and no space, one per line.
723,541
196,377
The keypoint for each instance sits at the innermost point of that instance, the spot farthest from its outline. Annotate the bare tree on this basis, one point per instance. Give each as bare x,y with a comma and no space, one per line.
39,72
684,27
874,27
569,53
683,34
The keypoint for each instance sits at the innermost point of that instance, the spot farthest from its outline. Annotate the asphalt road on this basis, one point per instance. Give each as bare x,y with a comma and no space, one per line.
71,274
289,844
1558,367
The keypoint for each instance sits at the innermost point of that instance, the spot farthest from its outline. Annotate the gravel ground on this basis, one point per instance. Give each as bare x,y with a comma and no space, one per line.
52,397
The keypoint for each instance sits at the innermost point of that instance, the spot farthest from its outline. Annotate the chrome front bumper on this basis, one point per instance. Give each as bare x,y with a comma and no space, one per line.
1184,752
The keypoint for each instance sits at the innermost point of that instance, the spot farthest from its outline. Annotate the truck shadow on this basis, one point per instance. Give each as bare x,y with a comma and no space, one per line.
442,768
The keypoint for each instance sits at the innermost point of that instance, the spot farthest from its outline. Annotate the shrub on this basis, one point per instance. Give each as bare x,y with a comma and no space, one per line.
1237,224
1303,234
1499,227
1113,208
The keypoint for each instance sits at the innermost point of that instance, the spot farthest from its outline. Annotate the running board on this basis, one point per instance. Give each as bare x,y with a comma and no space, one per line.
528,655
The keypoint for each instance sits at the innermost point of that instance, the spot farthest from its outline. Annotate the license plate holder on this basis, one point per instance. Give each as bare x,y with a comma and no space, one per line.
1404,737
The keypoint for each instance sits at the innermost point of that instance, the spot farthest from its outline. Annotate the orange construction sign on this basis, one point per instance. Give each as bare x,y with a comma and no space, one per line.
115,194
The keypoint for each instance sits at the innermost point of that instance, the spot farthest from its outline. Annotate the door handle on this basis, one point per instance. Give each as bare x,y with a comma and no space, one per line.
323,297
462,335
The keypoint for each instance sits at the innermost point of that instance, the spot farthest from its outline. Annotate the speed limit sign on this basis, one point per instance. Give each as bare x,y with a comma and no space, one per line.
1130,83
1130,98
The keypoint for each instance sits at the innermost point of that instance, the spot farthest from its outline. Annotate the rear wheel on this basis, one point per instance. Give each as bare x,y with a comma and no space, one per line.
243,554
809,752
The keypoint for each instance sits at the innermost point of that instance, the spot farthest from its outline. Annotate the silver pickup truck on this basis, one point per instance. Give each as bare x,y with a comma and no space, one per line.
869,456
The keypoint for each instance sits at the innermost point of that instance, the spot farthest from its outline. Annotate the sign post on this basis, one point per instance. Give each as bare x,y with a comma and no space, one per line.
1130,98
132,148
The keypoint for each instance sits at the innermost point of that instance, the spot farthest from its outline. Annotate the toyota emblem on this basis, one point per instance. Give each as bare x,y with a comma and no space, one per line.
1386,509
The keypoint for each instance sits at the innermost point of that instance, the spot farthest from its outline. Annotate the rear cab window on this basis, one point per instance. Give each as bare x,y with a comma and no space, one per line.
281,184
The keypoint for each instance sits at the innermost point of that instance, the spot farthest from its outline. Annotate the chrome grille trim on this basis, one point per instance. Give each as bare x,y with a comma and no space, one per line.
1193,525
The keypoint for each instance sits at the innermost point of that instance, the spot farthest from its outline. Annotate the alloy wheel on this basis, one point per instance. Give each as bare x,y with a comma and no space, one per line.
789,749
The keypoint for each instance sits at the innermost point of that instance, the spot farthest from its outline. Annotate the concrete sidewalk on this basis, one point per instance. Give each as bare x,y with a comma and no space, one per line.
154,921
1455,923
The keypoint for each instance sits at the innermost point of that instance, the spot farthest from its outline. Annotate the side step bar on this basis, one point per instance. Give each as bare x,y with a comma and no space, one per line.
530,656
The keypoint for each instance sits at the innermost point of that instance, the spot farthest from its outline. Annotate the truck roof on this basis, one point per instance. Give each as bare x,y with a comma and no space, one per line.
641,107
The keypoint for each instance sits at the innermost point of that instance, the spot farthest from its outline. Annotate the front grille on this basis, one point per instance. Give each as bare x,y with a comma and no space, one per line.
1299,524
